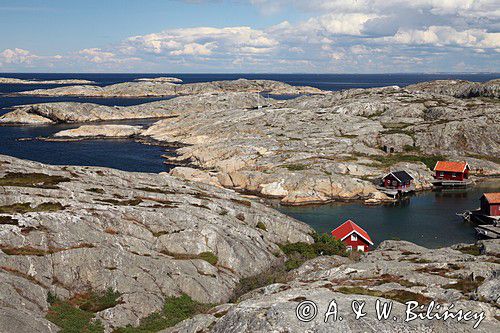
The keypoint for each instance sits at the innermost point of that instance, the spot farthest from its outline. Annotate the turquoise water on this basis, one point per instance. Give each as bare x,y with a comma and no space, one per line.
427,219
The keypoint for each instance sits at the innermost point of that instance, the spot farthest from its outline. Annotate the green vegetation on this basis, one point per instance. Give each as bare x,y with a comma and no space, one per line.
401,296
245,203
472,249
31,251
129,202
493,158
388,160
261,226
278,274
209,257
39,180
8,220
95,190
324,244
466,285
76,315
175,310
22,208
294,167
410,148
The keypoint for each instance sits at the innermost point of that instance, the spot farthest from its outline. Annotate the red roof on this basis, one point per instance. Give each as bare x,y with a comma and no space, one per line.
451,166
493,198
347,228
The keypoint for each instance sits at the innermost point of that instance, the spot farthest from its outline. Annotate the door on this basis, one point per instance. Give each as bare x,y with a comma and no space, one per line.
361,248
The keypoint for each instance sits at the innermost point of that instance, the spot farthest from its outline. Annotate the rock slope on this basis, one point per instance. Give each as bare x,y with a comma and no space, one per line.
460,88
161,88
8,80
73,112
71,230
396,272
328,147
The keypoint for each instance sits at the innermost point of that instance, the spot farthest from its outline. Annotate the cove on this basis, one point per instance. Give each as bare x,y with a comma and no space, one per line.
427,218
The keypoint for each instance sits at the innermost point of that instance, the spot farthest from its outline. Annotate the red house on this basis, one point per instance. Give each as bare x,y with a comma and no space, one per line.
398,180
458,171
490,204
353,236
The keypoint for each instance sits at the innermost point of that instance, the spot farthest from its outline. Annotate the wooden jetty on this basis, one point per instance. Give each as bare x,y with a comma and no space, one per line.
451,183
488,231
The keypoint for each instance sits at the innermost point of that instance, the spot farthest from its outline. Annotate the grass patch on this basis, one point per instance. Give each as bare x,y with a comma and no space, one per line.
175,310
324,244
278,274
95,190
245,203
95,302
466,285
472,249
397,295
294,167
494,159
8,220
22,208
209,257
129,202
32,251
261,226
39,180
388,160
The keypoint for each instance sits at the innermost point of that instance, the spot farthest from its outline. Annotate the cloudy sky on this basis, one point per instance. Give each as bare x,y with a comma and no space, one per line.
297,36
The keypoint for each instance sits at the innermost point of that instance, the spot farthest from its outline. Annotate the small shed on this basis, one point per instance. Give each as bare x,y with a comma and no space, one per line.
353,236
456,171
398,180
490,204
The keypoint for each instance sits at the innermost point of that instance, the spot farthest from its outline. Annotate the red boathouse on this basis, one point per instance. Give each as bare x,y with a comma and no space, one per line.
490,204
353,236
455,171
400,180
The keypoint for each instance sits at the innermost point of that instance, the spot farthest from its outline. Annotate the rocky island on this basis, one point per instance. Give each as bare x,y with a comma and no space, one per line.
8,80
162,88
312,149
101,250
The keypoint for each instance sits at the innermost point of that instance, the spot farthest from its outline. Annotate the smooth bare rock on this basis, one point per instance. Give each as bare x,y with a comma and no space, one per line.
23,117
160,79
320,148
459,88
114,131
138,234
70,112
396,272
8,80
160,88
195,175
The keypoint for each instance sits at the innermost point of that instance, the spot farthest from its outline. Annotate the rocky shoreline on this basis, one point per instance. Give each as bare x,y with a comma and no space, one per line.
8,80
311,149
70,234
166,87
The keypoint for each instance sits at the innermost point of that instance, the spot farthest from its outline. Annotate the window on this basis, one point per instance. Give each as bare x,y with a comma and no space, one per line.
354,237
453,174
349,248
441,174
361,247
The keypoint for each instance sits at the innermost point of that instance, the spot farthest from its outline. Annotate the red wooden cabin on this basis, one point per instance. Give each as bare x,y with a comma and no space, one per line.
458,171
490,204
398,180
353,236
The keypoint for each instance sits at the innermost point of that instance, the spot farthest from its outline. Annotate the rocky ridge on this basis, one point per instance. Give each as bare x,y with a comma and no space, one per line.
8,80
162,89
71,230
396,272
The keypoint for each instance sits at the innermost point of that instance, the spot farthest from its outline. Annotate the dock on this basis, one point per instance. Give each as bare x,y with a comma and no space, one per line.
396,192
488,231
451,183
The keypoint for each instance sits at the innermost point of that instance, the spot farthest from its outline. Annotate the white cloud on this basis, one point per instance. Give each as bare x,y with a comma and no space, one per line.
17,56
204,41
445,36
99,56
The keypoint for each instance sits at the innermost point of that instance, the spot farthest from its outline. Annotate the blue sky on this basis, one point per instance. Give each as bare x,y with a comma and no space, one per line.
315,36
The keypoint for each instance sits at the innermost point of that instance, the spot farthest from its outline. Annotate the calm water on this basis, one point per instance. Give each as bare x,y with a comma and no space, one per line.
426,219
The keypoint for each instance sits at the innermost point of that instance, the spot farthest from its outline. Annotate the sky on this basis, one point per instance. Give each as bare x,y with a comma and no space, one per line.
250,36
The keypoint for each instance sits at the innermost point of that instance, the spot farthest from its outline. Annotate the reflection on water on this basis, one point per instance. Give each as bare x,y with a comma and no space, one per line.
427,218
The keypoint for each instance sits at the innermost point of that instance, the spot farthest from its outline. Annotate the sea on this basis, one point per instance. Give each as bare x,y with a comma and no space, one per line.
427,218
